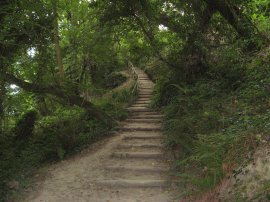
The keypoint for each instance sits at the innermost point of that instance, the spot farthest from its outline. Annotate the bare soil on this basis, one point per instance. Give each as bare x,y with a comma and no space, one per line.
131,166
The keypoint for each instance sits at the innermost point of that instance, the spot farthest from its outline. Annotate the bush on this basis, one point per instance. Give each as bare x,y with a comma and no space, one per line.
212,125
25,126
114,80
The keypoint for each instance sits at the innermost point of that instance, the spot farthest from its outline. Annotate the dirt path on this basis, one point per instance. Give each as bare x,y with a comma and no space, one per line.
129,167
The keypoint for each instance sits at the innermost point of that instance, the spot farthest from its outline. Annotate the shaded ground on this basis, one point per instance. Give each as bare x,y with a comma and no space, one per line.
129,167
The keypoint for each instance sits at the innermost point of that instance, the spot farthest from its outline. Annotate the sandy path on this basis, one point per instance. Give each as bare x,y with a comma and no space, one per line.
128,167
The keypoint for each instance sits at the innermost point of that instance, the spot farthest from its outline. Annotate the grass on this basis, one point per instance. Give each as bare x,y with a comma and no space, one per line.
215,124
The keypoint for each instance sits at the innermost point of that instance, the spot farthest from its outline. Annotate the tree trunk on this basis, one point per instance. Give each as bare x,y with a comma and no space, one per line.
58,51
235,17
2,99
192,56
41,74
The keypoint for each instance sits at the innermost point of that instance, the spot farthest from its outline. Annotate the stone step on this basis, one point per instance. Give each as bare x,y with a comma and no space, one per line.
141,95
138,155
143,137
139,128
145,93
142,113
145,105
140,98
139,146
142,102
143,120
129,126
144,98
144,89
148,84
144,169
139,109
125,183
148,101
150,116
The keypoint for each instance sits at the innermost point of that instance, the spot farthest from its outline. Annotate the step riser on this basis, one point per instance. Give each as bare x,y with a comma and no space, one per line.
140,109
135,116
141,113
139,129
143,121
136,169
144,98
143,102
141,105
137,156
147,117
139,146
134,185
153,137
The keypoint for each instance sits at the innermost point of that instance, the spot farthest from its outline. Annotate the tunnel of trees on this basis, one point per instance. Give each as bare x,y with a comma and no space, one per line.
58,58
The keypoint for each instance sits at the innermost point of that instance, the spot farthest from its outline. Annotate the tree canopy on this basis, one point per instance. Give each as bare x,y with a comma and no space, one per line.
60,57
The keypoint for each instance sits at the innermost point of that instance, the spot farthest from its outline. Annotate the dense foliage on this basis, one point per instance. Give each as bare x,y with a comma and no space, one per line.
59,59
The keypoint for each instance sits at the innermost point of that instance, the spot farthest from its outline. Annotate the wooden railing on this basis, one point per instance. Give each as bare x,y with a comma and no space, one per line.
135,76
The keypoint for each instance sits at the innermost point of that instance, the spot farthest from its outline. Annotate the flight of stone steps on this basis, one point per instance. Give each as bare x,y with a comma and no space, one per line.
139,162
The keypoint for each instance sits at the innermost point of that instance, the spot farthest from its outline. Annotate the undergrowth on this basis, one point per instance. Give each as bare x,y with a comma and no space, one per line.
54,137
215,124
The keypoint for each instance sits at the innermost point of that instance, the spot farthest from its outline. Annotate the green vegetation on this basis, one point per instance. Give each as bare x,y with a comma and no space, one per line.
215,127
60,64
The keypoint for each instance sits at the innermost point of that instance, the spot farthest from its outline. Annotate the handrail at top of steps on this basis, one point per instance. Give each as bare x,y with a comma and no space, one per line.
135,75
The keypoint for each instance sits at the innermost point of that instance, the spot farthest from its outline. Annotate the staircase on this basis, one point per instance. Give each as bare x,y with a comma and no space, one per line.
138,164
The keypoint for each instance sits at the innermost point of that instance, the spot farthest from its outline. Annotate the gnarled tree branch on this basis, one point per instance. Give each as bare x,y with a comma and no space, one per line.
65,96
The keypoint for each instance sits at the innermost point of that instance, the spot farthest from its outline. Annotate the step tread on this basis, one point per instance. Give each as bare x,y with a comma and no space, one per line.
144,155
132,145
139,129
143,183
157,169
127,137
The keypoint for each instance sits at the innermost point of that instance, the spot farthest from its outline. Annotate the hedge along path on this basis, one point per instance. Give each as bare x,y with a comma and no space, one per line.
129,167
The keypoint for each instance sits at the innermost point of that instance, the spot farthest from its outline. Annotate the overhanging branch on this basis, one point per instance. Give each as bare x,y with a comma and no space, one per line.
65,96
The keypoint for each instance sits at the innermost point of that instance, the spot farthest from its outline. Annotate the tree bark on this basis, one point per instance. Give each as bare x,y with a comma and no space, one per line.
66,97
192,56
235,17
41,74
58,51
2,99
